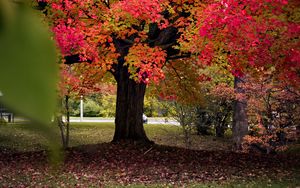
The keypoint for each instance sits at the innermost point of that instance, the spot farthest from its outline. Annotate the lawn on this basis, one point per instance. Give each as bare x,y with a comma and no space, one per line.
94,162
19,136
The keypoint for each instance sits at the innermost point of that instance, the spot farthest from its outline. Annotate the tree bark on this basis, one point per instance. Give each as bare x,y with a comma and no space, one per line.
67,120
240,119
220,131
129,109
60,123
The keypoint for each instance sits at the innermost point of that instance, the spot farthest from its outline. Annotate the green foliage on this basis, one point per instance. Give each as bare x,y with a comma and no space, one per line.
101,105
154,107
107,105
91,108
28,72
74,105
96,105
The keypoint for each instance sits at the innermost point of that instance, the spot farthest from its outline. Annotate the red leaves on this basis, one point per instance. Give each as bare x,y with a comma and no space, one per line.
69,39
87,28
109,164
253,31
206,55
143,9
224,92
249,35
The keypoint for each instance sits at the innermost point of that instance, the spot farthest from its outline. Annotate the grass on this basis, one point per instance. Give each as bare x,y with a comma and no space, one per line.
19,138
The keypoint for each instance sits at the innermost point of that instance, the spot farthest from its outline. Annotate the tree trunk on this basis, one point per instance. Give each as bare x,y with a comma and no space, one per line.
67,120
240,119
129,109
60,123
298,132
203,121
220,131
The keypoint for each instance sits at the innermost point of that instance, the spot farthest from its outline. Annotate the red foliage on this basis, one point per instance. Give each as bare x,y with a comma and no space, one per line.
273,111
252,36
255,34
113,165
144,10
81,80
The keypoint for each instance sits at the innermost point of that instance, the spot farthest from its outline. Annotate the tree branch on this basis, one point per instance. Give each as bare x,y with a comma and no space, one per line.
72,59
107,3
188,55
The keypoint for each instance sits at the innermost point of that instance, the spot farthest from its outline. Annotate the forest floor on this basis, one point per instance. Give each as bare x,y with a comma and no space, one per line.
92,161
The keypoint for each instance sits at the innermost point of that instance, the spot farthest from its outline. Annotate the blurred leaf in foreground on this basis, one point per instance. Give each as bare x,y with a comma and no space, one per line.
28,69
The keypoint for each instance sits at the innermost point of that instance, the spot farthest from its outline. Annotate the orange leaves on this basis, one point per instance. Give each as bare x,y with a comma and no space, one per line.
182,82
145,63
142,10
82,79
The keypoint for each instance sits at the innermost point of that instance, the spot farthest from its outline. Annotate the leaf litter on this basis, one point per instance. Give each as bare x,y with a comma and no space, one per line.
127,164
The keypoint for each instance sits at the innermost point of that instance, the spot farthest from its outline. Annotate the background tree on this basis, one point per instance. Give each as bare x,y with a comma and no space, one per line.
255,37
75,83
273,114
222,98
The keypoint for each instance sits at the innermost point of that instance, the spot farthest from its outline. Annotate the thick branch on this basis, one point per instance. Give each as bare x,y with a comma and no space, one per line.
167,36
107,4
72,59
187,55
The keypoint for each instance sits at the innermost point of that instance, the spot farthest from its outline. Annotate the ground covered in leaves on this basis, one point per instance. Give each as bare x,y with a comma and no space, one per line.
123,164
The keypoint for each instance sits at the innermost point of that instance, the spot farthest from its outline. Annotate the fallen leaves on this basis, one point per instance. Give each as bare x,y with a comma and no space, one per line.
125,164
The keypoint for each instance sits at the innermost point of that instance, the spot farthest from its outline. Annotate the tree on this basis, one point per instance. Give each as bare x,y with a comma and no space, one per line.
217,81
186,116
138,40
220,107
240,118
273,114
76,83
132,43
255,37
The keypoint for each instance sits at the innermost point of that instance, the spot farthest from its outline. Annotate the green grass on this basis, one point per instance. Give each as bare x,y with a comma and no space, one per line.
19,136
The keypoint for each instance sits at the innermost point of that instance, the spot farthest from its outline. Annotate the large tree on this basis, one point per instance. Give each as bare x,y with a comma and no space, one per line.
135,40
132,39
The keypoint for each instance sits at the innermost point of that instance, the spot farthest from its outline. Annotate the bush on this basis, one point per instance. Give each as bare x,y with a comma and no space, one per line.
107,104
91,108
154,107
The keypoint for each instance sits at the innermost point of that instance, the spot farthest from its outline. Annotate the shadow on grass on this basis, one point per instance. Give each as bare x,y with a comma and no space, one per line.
92,161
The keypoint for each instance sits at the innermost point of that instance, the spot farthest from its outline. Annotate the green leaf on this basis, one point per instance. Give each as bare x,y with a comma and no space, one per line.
28,70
